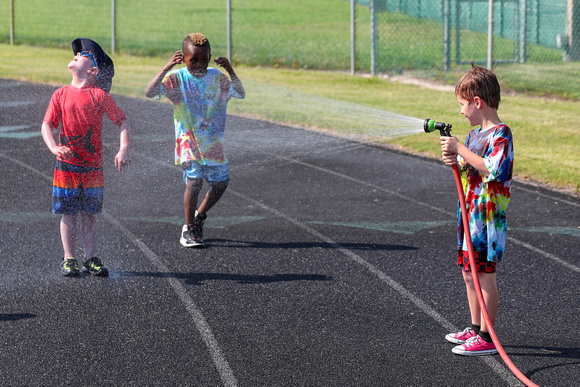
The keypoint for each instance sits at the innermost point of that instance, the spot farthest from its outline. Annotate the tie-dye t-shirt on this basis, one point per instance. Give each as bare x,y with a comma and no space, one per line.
199,114
487,197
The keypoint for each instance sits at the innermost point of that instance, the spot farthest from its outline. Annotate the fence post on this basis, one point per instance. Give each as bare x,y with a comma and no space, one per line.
573,28
457,31
113,26
352,37
373,37
446,35
490,37
229,6
12,22
523,27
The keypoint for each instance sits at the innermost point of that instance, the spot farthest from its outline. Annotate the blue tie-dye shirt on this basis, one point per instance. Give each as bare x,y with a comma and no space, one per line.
199,114
487,197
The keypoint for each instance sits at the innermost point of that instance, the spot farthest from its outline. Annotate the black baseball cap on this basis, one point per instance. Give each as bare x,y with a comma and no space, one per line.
104,62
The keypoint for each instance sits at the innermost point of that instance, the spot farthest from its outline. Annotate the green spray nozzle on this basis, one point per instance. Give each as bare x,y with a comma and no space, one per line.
431,125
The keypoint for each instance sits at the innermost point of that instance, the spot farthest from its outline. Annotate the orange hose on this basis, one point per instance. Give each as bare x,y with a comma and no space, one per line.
473,263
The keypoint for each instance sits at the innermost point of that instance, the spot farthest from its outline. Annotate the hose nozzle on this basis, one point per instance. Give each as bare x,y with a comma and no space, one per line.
431,125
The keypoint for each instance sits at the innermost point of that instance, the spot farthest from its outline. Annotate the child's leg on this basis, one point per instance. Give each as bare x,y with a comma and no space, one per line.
68,233
89,231
192,190
474,309
490,296
214,194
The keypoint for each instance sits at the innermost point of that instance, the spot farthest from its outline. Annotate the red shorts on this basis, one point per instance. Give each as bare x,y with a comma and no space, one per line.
483,265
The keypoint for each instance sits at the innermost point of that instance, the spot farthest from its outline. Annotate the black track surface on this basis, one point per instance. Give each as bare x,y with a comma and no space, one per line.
328,263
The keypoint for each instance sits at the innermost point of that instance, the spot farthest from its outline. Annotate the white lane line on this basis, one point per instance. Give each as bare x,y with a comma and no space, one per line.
495,365
11,104
222,365
418,202
569,265
559,200
199,320
12,128
6,84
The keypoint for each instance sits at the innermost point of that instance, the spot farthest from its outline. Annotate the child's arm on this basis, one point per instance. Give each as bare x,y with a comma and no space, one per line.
123,158
238,87
451,147
60,151
152,89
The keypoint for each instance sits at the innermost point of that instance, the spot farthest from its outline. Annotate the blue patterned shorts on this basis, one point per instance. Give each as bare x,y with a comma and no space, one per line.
211,173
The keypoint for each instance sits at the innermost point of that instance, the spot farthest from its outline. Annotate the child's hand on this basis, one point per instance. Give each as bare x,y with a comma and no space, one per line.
123,159
62,152
225,63
175,60
449,144
450,158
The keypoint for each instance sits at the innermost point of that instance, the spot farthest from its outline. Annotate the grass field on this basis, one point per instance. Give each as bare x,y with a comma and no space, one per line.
545,130
300,34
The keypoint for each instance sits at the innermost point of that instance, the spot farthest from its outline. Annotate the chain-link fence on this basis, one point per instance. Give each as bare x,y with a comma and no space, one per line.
534,45
442,33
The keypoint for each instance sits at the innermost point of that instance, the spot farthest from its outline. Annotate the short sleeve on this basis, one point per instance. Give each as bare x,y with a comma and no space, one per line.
498,159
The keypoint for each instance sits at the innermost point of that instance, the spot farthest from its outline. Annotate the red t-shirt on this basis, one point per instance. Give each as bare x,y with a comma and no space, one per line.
80,111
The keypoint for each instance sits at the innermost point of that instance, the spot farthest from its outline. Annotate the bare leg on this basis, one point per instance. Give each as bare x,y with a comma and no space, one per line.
89,231
490,296
474,309
214,194
68,233
190,196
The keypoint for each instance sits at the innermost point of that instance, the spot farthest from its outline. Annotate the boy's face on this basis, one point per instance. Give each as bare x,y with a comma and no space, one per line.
470,111
197,60
80,65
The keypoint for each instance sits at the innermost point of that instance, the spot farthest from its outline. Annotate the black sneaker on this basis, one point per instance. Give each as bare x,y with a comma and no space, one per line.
95,267
198,223
69,267
190,237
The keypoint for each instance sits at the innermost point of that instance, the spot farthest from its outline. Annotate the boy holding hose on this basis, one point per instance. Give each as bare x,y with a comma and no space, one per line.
486,162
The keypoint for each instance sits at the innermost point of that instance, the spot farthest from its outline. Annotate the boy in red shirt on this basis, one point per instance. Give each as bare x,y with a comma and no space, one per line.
78,184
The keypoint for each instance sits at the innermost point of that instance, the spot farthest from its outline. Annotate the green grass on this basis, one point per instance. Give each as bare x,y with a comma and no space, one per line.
545,130
298,34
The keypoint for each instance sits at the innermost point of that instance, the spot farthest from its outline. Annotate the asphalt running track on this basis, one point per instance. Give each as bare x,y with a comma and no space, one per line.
329,263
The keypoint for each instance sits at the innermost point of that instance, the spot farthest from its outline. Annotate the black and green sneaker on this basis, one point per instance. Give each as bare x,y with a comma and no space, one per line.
69,267
95,267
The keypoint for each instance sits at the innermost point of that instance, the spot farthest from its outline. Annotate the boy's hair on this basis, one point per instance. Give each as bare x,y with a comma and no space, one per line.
195,39
479,82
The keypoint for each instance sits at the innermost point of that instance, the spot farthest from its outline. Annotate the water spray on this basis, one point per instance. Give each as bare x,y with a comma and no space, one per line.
430,126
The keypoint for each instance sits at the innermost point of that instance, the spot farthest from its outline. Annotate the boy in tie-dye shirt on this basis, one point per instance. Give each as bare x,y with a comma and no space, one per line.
199,96
486,160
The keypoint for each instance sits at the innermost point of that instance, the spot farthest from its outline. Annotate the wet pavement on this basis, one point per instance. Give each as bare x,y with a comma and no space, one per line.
328,263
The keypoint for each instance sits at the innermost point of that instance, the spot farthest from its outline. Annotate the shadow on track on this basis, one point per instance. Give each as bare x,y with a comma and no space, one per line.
16,316
200,278
305,245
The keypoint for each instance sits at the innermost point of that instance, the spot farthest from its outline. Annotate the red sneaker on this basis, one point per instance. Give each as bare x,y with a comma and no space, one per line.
475,346
461,337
